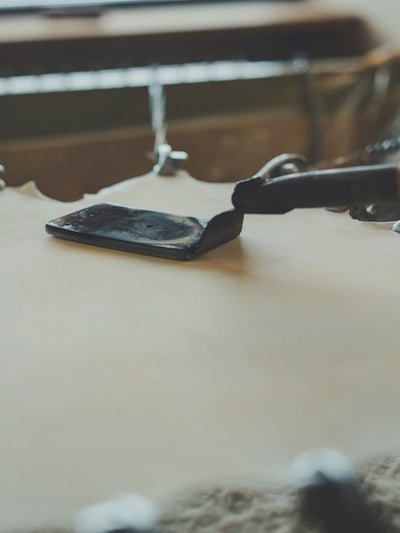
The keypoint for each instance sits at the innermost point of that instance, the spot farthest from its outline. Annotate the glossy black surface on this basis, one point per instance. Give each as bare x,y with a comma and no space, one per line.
146,232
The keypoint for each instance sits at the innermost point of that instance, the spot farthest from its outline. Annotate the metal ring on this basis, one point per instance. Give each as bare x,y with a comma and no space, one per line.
282,165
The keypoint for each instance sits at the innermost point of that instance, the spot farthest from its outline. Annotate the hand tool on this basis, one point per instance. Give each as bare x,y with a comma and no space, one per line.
184,237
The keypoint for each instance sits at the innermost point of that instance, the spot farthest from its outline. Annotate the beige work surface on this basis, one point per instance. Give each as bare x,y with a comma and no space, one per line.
121,372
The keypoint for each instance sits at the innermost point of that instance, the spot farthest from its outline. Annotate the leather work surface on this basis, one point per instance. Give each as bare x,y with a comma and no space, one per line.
121,372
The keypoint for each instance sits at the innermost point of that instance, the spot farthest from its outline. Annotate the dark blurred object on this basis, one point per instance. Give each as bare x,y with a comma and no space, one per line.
346,186
387,149
329,498
376,212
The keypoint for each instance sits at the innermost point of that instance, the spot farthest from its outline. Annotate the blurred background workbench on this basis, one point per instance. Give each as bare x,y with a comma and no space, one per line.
76,141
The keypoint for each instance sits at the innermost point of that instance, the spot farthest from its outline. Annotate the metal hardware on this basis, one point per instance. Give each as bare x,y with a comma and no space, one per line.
282,165
383,149
2,182
168,161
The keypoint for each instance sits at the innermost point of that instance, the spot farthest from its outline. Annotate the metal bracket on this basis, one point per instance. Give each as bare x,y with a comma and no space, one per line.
2,182
168,160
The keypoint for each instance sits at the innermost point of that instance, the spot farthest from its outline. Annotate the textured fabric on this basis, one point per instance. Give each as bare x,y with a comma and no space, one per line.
261,508
266,508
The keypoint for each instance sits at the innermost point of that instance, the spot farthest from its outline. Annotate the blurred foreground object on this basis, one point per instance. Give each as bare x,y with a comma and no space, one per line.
329,497
130,513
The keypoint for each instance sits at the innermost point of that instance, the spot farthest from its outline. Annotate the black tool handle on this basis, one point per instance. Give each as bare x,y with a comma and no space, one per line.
323,188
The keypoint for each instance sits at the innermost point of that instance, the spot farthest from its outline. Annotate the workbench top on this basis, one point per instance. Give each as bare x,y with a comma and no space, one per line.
121,372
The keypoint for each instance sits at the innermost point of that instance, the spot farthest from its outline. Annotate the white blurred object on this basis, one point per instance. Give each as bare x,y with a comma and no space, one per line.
333,464
127,512
396,226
